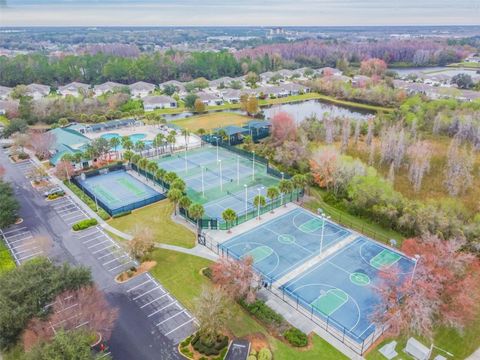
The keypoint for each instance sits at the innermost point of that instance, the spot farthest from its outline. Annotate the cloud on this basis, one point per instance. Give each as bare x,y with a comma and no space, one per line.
246,12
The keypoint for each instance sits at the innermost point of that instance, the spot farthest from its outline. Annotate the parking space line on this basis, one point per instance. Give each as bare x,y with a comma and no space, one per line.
171,317
118,266
152,301
109,246
85,234
161,309
136,286
104,256
71,215
22,239
178,327
29,256
92,239
27,250
110,261
30,243
13,230
145,293
19,234
100,243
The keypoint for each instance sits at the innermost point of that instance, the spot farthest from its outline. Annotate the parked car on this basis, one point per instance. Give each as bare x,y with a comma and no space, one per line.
54,191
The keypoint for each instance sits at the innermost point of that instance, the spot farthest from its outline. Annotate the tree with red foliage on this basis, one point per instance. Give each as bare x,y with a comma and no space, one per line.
444,291
64,170
373,67
85,309
284,128
236,277
323,165
41,143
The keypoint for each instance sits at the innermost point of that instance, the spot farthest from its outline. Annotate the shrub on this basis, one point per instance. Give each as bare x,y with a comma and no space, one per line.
264,354
207,272
121,214
187,341
210,349
23,156
54,196
296,337
251,357
185,351
263,313
84,224
87,200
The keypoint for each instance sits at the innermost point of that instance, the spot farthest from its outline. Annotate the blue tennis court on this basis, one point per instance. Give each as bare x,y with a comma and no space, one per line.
341,287
284,243
117,191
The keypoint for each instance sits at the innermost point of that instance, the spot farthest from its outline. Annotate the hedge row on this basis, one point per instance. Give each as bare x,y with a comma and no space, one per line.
87,200
209,349
84,224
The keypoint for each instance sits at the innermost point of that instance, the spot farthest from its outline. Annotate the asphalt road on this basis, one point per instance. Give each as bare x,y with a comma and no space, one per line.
134,336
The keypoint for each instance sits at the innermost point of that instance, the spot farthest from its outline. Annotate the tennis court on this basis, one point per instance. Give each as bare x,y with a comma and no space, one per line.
118,191
341,287
217,178
284,243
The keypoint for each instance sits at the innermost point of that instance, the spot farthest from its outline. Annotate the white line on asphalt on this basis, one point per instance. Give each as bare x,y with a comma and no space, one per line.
152,301
20,234
161,309
109,246
21,245
22,239
29,256
71,215
104,256
110,261
27,250
13,230
145,293
178,327
118,266
100,243
171,317
92,239
136,286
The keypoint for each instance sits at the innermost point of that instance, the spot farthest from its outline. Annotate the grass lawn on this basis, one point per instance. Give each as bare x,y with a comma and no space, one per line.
4,120
212,121
6,260
466,65
363,226
157,217
180,274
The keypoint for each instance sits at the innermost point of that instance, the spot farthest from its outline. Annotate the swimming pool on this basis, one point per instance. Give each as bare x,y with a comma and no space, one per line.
133,137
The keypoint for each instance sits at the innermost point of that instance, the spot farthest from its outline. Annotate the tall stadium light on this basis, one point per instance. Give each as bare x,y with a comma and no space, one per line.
415,259
246,200
203,187
238,169
253,165
217,148
186,166
221,182
283,175
324,218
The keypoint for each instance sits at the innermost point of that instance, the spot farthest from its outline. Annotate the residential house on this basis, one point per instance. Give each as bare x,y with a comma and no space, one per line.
68,141
151,103
326,71
232,96
106,87
179,85
294,88
210,99
360,81
37,91
5,92
273,91
141,89
74,89
285,73
8,105
222,82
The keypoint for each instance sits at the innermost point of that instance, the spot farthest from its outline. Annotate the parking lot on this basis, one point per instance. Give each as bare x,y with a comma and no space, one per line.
68,210
167,315
26,167
21,243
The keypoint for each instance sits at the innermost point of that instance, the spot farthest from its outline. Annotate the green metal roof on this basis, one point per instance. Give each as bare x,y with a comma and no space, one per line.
232,130
68,137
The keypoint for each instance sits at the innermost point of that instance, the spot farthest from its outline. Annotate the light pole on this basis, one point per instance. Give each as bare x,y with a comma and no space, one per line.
203,187
186,166
324,218
283,175
253,165
415,258
246,200
238,169
221,182
217,148
259,189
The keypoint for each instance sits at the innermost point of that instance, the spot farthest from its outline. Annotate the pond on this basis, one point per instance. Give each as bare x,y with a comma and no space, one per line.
299,110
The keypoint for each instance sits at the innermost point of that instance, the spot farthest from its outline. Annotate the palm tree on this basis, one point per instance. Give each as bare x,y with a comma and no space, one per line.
160,175
229,215
299,182
127,143
186,133
272,193
184,202
142,164
178,184
196,212
170,177
135,158
171,139
174,195
222,134
259,201
127,155
139,146
115,142
152,168
159,141
285,187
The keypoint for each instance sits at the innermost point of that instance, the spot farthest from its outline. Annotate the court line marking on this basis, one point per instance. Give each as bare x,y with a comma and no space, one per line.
377,245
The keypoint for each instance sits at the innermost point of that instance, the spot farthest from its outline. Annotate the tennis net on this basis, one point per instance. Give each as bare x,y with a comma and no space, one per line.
239,198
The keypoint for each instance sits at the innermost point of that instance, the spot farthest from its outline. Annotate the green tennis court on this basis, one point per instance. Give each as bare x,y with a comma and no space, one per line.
385,259
330,301
259,253
311,226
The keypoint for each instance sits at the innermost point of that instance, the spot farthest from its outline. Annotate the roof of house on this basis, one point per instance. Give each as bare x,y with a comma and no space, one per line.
225,80
74,86
4,104
206,96
68,137
142,85
4,90
258,124
160,99
232,93
61,151
43,89
232,130
108,86
180,85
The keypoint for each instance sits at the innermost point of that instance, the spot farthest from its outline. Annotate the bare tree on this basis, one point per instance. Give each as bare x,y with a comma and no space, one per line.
419,155
458,170
329,129
142,243
41,143
358,127
346,128
370,131
391,173
371,155
212,311
393,145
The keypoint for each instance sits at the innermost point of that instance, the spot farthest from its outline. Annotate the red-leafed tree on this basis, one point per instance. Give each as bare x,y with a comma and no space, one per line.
64,170
283,128
373,67
85,309
236,277
445,289
41,143
323,165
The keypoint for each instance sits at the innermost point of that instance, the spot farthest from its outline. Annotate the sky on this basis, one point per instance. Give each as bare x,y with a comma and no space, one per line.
238,12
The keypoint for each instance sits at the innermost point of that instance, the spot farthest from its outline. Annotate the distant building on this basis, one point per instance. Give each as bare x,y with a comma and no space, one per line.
179,85
210,99
8,105
107,87
68,141
74,89
37,91
151,103
232,96
5,92
226,80
141,89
